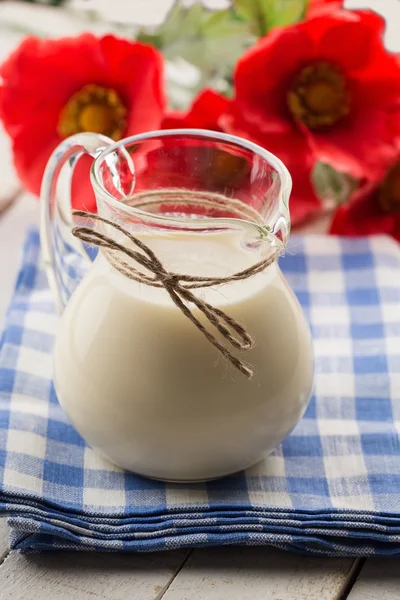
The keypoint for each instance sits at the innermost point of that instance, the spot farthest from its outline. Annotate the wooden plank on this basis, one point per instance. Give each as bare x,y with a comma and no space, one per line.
88,575
3,539
258,574
379,578
13,224
10,185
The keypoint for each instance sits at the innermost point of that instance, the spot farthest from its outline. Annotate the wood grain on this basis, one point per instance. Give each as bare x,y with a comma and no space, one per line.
88,576
259,574
13,224
3,539
379,579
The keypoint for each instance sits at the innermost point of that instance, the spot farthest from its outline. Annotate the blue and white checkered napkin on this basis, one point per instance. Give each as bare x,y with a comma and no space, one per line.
332,487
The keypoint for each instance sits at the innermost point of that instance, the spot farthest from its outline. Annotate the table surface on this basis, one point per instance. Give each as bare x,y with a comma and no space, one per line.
201,574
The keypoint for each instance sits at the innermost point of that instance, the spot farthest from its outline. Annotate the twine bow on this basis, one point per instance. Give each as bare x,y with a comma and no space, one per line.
178,286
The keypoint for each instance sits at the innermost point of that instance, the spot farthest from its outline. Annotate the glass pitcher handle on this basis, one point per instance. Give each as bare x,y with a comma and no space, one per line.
65,258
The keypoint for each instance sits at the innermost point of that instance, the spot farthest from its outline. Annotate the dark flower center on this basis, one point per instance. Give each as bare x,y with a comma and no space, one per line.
228,169
389,193
93,108
319,96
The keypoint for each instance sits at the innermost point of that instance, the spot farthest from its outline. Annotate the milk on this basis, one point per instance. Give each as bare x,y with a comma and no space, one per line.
142,384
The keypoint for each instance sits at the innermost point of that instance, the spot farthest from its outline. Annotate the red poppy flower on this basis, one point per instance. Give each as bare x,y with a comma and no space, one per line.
204,113
373,208
315,7
193,164
212,111
297,156
51,89
324,87
198,167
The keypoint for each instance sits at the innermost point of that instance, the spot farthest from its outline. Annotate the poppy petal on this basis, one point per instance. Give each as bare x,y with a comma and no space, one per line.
362,218
40,76
204,112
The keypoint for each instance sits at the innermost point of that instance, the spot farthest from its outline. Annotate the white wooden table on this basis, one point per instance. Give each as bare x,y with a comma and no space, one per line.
204,574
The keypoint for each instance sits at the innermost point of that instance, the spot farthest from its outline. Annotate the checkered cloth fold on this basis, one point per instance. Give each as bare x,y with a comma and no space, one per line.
332,487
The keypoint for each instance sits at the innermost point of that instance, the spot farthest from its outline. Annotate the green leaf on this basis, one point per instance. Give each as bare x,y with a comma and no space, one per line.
252,11
331,184
285,12
211,41
180,24
263,15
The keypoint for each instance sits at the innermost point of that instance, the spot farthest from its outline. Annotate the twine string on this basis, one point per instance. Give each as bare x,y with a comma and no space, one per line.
177,285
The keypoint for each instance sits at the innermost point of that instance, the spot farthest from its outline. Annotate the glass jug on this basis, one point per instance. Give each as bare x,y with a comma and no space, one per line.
144,362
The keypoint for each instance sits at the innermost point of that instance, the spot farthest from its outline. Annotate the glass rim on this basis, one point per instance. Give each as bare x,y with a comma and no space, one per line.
285,180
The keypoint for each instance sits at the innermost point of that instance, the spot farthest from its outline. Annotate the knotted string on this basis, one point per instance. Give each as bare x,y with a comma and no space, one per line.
177,285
